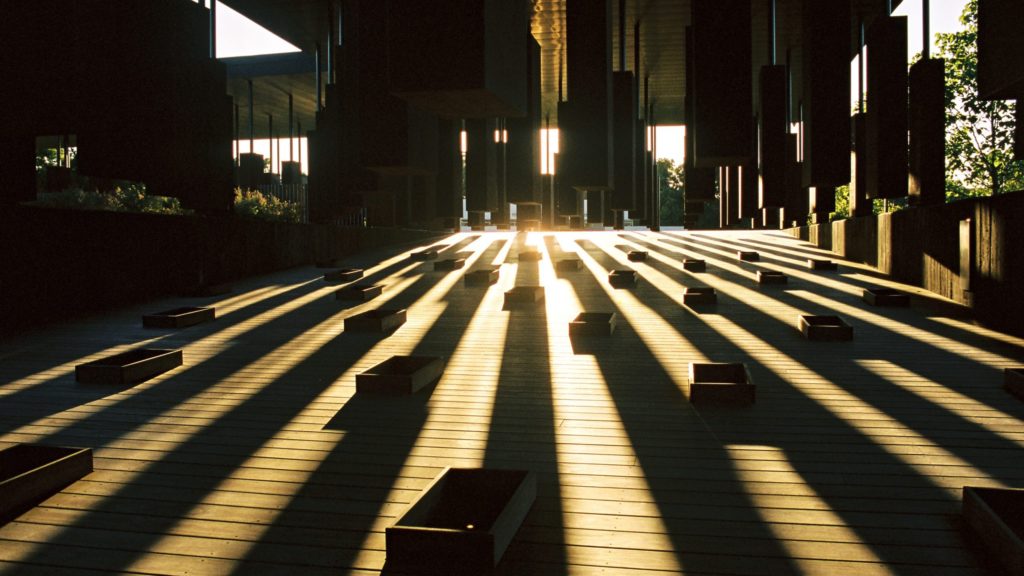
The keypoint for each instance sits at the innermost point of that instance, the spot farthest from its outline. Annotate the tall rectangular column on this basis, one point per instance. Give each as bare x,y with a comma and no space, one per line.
1000,50
17,169
772,132
826,93
589,164
624,195
449,172
525,185
722,85
796,201
860,205
927,185
887,108
481,165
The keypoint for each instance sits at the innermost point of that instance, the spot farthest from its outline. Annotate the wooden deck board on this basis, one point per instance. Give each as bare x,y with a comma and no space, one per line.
256,457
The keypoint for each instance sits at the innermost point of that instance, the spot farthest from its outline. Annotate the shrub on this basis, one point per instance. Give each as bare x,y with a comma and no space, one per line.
255,204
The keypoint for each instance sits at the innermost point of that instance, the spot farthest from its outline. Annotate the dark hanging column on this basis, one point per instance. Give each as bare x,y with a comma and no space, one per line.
449,173
623,197
826,93
1000,51
796,204
568,198
17,169
887,108
501,216
525,185
747,193
860,205
822,202
927,184
1018,132
771,156
588,163
722,90
643,174
701,182
595,207
481,166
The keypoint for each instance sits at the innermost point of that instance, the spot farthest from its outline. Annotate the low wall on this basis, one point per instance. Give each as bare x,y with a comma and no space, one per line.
58,263
922,247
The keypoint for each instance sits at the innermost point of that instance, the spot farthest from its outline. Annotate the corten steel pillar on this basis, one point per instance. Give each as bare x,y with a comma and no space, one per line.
822,202
1000,50
568,197
700,181
722,91
729,188
654,185
623,195
501,216
771,146
595,207
860,205
747,193
887,108
481,166
449,173
587,163
927,184
1018,132
826,93
796,201
17,169
525,184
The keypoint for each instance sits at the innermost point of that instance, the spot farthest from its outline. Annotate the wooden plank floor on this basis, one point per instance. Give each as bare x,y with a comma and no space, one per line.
255,457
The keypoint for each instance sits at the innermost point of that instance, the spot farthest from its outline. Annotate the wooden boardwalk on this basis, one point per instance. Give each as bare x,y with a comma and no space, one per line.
255,457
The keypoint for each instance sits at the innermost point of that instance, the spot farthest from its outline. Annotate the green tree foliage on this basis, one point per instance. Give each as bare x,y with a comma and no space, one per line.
979,133
255,204
673,186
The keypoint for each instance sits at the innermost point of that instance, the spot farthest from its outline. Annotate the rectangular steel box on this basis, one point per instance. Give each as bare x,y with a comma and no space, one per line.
530,255
1013,381
748,256
818,264
568,265
379,320
995,517
721,383
343,275
592,324
771,277
179,317
462,522
424,255
360,292
129,367
622,278
694,265
30,473
636,255
886,297
400,375
824,328
482,277
524,296
699,295
449,265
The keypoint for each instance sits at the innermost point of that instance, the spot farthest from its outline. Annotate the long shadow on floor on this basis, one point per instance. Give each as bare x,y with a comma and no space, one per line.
872,461
229,441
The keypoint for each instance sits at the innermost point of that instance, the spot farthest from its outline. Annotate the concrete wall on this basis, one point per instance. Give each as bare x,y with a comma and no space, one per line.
921,246
58,263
